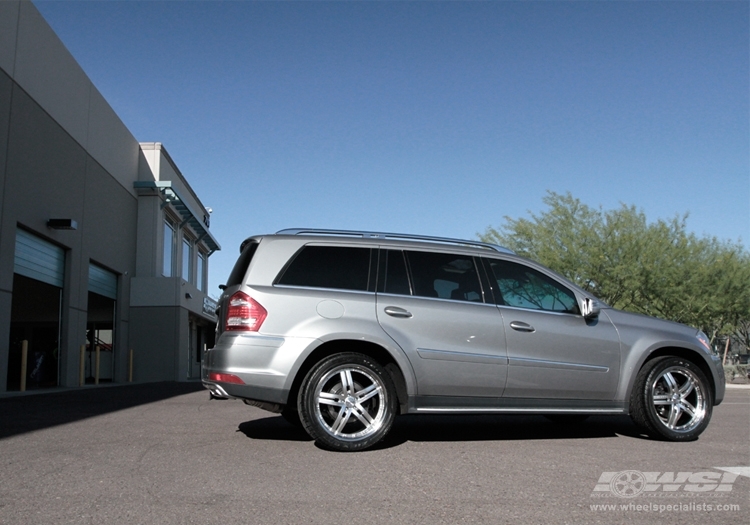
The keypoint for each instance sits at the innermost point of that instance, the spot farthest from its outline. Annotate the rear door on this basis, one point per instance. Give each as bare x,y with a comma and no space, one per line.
432,305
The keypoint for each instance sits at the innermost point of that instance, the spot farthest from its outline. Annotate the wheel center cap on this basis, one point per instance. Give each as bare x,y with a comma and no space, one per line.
350,401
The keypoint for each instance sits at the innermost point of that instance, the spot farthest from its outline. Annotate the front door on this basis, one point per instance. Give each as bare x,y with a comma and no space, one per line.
553,352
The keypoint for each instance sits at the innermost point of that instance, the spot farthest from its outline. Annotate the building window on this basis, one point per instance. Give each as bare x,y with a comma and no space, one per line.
169,238
187,261
201,271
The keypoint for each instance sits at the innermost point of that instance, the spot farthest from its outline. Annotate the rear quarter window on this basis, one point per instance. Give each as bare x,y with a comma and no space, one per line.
240,267
336,267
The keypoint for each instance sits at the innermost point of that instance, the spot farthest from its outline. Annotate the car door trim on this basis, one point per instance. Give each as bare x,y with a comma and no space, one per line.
445,355
540,363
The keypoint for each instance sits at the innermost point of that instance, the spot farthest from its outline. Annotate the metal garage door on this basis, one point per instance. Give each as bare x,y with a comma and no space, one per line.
39,259
102,282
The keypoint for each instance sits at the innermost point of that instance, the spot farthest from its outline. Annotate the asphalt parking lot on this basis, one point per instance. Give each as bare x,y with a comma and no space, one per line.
164,453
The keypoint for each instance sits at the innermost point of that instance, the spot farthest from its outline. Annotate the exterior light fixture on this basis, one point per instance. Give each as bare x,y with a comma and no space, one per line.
62,224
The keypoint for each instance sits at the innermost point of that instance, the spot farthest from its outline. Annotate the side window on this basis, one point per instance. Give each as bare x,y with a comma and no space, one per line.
524,287
187,260
396,277
336,267
444,275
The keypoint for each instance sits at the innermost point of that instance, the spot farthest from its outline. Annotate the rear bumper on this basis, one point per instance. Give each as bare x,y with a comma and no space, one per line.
253,395
263,365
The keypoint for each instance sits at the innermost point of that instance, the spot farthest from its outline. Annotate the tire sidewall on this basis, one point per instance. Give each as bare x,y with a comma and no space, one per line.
655,423
306,402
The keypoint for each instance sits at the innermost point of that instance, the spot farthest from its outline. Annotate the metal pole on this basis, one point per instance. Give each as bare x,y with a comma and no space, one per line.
24,363
82,366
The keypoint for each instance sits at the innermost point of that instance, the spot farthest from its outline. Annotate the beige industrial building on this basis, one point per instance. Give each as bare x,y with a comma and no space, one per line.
104,246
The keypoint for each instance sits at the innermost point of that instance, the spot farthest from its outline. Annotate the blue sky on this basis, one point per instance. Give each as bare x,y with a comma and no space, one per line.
437,118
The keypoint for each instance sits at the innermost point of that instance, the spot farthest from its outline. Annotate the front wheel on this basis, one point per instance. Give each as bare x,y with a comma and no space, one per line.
672,399
347,402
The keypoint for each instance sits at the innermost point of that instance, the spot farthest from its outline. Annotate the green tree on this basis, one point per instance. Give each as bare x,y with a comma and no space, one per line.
656,268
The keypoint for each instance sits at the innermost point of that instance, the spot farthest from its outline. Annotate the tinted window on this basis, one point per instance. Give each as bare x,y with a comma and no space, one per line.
444,275
524,287
329,267
396,278
240,267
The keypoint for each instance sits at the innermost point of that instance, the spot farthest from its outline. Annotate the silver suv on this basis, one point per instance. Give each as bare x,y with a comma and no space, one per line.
340,331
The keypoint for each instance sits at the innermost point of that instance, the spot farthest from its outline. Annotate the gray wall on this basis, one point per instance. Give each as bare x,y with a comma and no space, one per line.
64,153
48,174
155,352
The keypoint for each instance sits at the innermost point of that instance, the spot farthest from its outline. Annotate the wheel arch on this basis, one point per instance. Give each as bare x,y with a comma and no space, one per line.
673,351
372,350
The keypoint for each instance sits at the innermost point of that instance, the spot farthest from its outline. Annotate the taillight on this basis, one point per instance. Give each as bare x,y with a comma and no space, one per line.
225,378
244,313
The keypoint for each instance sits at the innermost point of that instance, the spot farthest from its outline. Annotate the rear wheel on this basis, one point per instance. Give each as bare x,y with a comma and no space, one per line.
347,402
671,399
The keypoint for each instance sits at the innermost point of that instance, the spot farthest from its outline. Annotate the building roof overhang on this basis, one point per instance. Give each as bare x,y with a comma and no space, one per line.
170,195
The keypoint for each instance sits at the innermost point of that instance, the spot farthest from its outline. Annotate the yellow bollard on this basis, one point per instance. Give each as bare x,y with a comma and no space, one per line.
24,363
96,364
82,367
130,367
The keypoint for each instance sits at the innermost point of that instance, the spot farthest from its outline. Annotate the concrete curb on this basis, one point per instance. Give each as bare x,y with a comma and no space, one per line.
730,385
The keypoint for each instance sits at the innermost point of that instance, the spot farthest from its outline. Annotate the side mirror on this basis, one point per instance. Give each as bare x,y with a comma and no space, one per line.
590,308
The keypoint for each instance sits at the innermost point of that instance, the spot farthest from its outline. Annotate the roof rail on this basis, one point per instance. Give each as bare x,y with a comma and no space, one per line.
399,236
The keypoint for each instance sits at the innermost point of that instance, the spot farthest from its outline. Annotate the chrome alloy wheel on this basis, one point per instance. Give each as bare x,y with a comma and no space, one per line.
678,399
350,402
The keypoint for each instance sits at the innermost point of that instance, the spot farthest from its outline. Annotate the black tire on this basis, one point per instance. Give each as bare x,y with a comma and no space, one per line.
347,402
671,399
567,419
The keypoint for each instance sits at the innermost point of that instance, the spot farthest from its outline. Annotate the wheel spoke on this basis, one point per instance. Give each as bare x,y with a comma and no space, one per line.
346,381
341,420
327,398
662,399
363,415
688,387
674,416
688,408
367,393
671,382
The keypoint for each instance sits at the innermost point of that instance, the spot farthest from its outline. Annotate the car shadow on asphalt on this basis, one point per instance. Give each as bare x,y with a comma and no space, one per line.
436,428
274,428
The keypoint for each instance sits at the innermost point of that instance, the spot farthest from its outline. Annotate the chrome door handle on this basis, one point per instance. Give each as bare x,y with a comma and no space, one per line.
521,327
395,311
